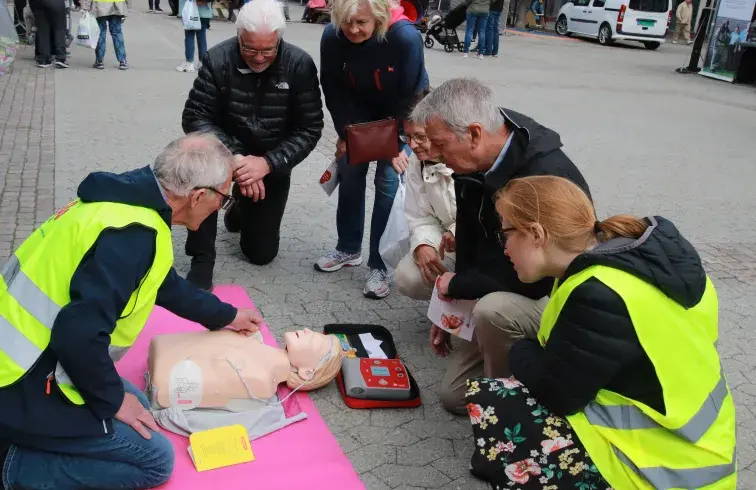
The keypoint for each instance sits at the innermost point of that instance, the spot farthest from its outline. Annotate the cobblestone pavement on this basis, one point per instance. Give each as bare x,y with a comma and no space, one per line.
648,141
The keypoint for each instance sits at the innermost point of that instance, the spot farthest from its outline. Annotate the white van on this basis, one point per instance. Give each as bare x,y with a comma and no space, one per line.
646,21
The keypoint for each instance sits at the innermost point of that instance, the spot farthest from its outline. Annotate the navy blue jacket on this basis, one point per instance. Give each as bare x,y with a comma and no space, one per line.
100,288
372,80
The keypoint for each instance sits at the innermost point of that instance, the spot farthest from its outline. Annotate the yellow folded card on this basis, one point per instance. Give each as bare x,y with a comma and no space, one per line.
224,446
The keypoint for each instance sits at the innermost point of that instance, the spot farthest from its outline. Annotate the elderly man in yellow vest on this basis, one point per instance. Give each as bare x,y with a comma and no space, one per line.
683,18
75,296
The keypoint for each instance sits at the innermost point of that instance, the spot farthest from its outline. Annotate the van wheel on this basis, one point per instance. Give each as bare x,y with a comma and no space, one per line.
561,26
651,45
605,35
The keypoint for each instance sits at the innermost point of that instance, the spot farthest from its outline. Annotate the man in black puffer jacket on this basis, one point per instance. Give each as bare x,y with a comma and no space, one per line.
486,147
261,96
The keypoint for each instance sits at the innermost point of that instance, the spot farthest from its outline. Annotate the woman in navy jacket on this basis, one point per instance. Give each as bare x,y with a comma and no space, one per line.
371,67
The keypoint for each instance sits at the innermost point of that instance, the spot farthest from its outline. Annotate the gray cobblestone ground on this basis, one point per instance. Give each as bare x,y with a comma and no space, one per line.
647,140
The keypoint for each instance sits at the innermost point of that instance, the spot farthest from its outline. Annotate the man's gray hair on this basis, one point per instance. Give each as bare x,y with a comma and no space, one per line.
460,102
197,160
262,16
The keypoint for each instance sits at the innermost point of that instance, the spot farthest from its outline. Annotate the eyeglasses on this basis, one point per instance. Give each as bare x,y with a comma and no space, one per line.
226,200
501,236
267,52
420,139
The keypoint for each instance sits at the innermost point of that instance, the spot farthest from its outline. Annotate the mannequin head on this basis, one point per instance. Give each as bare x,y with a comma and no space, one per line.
312,355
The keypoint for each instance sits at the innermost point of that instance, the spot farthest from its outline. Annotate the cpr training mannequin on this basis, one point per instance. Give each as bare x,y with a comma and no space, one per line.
202,380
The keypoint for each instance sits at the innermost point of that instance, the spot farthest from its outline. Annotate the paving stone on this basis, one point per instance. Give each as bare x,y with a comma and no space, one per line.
391,417
372,456
425,452
395,475
382,435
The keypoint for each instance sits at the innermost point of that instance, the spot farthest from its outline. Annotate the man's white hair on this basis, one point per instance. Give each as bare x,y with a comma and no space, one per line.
194,161
262,16
460,102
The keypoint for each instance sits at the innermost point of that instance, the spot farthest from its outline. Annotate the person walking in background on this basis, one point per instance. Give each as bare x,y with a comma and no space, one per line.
154,6
492,27
205,13
110,15
477,20
371,67
683,16
50,17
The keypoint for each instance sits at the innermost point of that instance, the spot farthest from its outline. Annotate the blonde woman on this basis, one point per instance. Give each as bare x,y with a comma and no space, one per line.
372,65
624,387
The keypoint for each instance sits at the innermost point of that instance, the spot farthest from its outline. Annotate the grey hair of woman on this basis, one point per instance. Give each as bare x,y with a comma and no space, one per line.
194,161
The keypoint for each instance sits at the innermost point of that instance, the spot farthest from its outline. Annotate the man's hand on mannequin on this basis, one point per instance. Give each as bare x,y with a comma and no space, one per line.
250,169
133,414
246,322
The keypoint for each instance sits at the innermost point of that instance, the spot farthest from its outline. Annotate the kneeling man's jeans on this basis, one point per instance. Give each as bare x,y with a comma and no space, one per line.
123,459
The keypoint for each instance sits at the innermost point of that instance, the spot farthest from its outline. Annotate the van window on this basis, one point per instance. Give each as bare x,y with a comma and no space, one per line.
649,5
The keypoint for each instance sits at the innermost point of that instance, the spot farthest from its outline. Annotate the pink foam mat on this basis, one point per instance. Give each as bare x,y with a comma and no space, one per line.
304,455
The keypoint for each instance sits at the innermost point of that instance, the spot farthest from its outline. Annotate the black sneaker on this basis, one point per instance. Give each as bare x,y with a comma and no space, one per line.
99,65
201,275
62,64
44,64
123,65
158,9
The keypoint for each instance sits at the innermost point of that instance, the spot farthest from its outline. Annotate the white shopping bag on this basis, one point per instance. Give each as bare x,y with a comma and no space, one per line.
88,31
330,178
394,244
190,16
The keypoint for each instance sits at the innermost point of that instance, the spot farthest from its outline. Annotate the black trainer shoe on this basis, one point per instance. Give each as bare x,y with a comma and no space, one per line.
99,65
62,64
201,275
44,64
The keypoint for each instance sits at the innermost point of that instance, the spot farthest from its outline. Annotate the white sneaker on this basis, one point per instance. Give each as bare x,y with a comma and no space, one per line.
480,56
464,55
185,67
377,285
674,42
335,260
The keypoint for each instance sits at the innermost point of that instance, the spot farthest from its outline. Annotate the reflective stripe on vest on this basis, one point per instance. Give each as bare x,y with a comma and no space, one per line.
630,417
690,444
671,478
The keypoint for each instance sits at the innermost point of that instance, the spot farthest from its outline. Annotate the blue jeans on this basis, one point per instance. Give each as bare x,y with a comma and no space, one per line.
122,459
113,22
201,36
350,213
476,21
492,34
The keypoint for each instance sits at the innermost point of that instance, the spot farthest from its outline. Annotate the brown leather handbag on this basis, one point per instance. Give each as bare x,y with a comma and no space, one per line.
371,141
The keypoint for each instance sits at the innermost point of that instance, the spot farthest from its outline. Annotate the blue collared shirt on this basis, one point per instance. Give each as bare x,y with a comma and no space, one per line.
503,152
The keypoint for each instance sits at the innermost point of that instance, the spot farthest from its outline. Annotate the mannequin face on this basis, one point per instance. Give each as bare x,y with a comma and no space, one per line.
306,349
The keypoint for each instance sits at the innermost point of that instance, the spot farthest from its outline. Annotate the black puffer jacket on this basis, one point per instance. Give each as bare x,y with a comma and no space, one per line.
593,344
482,267
276,114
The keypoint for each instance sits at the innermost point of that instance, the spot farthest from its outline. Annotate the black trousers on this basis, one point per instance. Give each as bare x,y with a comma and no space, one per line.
154,4
260,224
18,18
50,18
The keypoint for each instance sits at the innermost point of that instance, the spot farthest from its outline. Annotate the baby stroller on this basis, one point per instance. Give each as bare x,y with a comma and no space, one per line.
444,30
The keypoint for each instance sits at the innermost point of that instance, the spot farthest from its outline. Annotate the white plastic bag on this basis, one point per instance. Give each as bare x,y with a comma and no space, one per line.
394,244
190,16
330,178
88,31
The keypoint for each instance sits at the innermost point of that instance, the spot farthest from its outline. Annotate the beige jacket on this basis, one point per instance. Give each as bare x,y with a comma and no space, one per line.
430,204
103,9
684,13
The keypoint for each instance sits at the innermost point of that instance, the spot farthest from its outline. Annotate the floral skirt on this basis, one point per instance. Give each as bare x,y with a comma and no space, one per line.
521,445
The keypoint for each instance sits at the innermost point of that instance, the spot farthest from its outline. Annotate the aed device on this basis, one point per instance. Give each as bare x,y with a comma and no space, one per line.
381,379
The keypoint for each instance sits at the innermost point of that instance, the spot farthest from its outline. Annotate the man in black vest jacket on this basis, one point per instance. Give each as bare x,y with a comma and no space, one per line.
261,96
486,146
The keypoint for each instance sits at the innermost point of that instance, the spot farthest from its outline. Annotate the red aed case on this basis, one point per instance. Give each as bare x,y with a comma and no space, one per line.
399,374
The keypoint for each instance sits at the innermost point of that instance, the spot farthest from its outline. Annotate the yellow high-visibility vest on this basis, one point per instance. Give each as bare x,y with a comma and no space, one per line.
36,281
690,446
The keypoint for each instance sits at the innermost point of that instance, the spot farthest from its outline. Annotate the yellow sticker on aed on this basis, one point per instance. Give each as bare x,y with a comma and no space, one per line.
224,446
